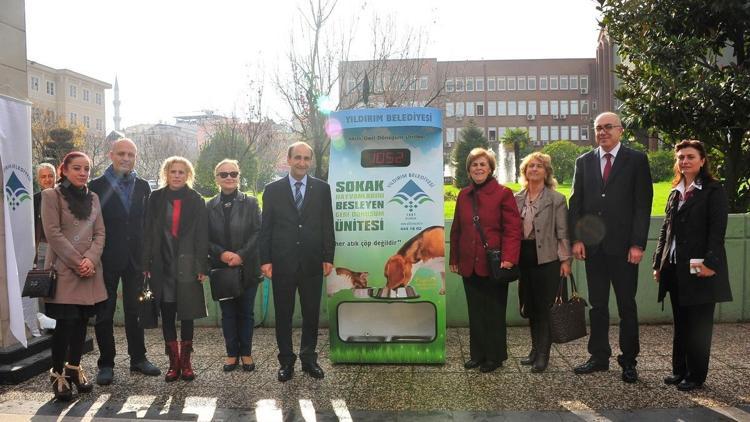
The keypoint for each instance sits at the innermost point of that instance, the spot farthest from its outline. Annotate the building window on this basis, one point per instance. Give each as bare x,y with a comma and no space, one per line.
73,118
564,82
470,108
553,82
532,83
574,108
573,81
564,107
99,124
460,111
584,133
459,84
50,88
450,136
584,106
544,134
492,108
574,133
423,83
449,110
532,133
554,133
522,108
593,106
490,84
501,132
512,108
542,83
73,91
86,95
469,84
501,86
480,109
511,84
99,98
522,83
450,85
554,108
544,107
35,83
479,84
565,132
532,108
86,121
502,109
584,81
492,134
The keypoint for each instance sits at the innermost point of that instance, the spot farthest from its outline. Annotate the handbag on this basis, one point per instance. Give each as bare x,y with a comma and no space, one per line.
226,283
148,308
494,256
40,283
567,318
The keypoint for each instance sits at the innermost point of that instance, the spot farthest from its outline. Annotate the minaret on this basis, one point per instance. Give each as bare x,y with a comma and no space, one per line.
116,103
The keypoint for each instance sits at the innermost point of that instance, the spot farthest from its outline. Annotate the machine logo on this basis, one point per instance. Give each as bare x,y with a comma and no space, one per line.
411,196
15,192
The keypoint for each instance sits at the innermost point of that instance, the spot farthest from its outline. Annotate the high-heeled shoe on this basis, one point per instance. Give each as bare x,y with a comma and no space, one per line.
78,378
60,386
229,367
248,365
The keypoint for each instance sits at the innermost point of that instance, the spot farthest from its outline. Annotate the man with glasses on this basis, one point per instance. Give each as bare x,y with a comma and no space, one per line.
610,209
123,196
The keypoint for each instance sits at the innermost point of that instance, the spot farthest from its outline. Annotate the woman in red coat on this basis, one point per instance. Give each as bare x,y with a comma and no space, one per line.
486,299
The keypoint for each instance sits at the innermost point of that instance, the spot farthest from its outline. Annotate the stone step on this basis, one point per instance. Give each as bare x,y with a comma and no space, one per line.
31,362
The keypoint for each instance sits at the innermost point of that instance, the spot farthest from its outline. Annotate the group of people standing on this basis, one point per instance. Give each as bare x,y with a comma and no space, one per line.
606,226
98,233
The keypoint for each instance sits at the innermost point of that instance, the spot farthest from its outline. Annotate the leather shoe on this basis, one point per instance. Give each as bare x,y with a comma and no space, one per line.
286,372
145,367
489,366
590,367
629,374
686,385
673,379
247,367
313,369
471,364
229,367
105,376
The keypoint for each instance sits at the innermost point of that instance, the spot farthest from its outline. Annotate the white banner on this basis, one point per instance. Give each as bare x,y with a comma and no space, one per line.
15,154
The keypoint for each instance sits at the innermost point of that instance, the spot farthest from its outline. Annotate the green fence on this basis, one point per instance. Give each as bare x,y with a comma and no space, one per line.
649,310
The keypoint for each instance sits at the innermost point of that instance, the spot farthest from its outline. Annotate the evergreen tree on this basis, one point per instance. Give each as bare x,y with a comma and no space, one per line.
470,137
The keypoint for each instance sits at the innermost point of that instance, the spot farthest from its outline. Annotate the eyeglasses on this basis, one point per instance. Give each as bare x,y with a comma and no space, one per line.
606,127
225,174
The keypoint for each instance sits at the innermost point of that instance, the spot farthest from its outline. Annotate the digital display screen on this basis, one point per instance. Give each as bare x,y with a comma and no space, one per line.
391,157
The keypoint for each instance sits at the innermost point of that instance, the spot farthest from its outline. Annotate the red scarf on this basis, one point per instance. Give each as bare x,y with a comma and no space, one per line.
176,211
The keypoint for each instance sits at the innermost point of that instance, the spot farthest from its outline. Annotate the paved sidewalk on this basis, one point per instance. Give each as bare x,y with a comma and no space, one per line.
405,392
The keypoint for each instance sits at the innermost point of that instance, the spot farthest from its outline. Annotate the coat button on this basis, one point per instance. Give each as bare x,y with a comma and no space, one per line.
76,238
75,223
603,195
300,226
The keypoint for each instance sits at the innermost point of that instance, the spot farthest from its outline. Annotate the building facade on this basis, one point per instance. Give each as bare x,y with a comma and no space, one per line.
74,97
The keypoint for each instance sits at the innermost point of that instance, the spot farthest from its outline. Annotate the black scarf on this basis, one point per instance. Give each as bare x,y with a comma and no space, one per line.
79,200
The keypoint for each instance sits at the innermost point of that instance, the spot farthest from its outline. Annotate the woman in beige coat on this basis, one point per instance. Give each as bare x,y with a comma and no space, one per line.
73,226
545,251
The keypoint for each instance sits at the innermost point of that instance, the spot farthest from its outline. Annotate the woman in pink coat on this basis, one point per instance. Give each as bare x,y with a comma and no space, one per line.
73,226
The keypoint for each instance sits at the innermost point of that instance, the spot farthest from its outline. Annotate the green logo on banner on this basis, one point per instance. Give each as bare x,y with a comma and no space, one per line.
15,192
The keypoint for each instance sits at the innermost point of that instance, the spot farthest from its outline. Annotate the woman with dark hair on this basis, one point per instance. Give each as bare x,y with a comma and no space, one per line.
233,229
175,248
486,299
690,262
74,228
545,251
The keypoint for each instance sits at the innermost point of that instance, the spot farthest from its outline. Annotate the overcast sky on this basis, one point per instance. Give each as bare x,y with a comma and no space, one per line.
176,57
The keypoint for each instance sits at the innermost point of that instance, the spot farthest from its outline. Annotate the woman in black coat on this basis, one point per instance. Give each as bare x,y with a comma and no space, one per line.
233,229
690,262
175,247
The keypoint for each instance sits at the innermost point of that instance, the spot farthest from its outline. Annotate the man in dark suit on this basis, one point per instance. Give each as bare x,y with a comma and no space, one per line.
610,209
123,197
296,250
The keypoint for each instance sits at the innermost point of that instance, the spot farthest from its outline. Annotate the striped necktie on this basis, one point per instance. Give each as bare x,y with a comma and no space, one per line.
298,195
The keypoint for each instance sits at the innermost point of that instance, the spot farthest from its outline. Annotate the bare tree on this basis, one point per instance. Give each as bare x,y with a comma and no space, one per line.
152,151
97,148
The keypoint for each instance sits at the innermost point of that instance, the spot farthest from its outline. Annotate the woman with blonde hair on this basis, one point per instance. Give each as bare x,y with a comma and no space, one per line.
545,251
175,247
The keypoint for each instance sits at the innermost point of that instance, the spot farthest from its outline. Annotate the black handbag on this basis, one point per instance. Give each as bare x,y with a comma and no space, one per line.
494,256
40,283
567,318
148,308
226,283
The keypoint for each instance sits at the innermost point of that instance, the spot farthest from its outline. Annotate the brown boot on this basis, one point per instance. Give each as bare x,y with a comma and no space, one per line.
77,377
186,347
173,351
60,386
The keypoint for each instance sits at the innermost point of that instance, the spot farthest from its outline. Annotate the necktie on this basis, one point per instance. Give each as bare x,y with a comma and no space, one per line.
298,195
688,195
607,167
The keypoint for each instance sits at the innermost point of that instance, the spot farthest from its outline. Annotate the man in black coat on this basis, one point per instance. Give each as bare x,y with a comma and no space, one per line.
610,209
123,197
296,250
